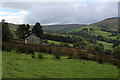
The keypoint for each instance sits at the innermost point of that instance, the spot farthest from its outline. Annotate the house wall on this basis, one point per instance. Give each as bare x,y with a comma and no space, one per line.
32,40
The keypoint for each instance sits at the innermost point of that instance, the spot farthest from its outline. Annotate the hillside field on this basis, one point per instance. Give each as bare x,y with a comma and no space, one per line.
24,66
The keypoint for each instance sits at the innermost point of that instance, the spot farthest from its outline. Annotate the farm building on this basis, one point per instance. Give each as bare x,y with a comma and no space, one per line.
32,39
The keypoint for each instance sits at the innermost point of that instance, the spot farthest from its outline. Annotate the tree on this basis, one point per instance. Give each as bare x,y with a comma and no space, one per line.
23,31
6,34
107,51
80,45
116,52
37,30
3,20
99,48
89,47
85,29
116,43
91,29
27,31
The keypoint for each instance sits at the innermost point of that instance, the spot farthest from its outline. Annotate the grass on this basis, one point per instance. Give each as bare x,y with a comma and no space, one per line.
80,28
58,43
106,45
102,33
23,66
113,37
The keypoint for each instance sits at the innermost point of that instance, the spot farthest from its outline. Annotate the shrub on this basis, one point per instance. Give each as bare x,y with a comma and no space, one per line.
116,52
33,55
57,56
107,51
100,60
40,56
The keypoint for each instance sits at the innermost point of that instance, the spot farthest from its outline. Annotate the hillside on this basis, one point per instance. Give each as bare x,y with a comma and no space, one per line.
109,23
61,28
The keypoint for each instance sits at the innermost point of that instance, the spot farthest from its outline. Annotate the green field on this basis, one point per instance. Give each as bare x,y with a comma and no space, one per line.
80,28
96,31
58,43
23,66
106,45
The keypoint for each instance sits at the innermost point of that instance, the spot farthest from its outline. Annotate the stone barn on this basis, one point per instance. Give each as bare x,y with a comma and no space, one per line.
32,39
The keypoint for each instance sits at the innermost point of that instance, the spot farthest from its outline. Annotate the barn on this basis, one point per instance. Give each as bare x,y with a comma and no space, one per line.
32,39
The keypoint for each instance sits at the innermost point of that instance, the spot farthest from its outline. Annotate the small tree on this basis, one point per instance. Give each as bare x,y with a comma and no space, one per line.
62,44
107,51
116,43
116,52
91,29
99,48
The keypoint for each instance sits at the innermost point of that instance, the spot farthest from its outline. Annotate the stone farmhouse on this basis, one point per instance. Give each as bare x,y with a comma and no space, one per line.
32,39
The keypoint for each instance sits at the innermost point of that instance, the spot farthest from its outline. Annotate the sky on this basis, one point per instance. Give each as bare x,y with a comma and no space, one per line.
54,12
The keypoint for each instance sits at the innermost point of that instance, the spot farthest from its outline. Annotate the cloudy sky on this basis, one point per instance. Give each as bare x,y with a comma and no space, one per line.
83,12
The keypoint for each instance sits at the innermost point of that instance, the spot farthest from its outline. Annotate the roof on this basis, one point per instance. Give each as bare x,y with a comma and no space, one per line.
32,36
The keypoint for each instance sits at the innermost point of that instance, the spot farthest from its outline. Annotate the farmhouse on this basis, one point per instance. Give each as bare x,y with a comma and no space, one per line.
32,39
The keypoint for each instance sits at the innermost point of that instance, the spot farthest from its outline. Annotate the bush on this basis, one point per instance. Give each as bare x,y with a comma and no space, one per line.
107,51
57,56
100,60
40,56
33,55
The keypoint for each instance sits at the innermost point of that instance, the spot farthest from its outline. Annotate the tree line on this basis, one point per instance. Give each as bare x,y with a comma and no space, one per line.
22,32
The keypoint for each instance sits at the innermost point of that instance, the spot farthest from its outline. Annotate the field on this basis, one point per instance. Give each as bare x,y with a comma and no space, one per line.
80,28
58,43
106,45
24,66
96,31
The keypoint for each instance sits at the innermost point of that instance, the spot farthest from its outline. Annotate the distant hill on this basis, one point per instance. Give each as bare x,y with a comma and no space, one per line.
11,25
61,28
109,23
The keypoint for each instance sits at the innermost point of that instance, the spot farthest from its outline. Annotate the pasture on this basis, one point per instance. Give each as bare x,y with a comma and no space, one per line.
19,65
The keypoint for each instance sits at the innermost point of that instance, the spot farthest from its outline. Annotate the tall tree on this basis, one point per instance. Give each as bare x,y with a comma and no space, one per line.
23,31
27,31
6,34
37,30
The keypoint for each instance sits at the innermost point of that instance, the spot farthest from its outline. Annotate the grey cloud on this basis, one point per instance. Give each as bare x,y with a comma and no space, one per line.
62,13
18,5
71,13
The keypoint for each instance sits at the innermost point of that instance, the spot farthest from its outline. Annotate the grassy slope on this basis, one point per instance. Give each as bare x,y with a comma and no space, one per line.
97,31
61,28
23,66
109,23
80,28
